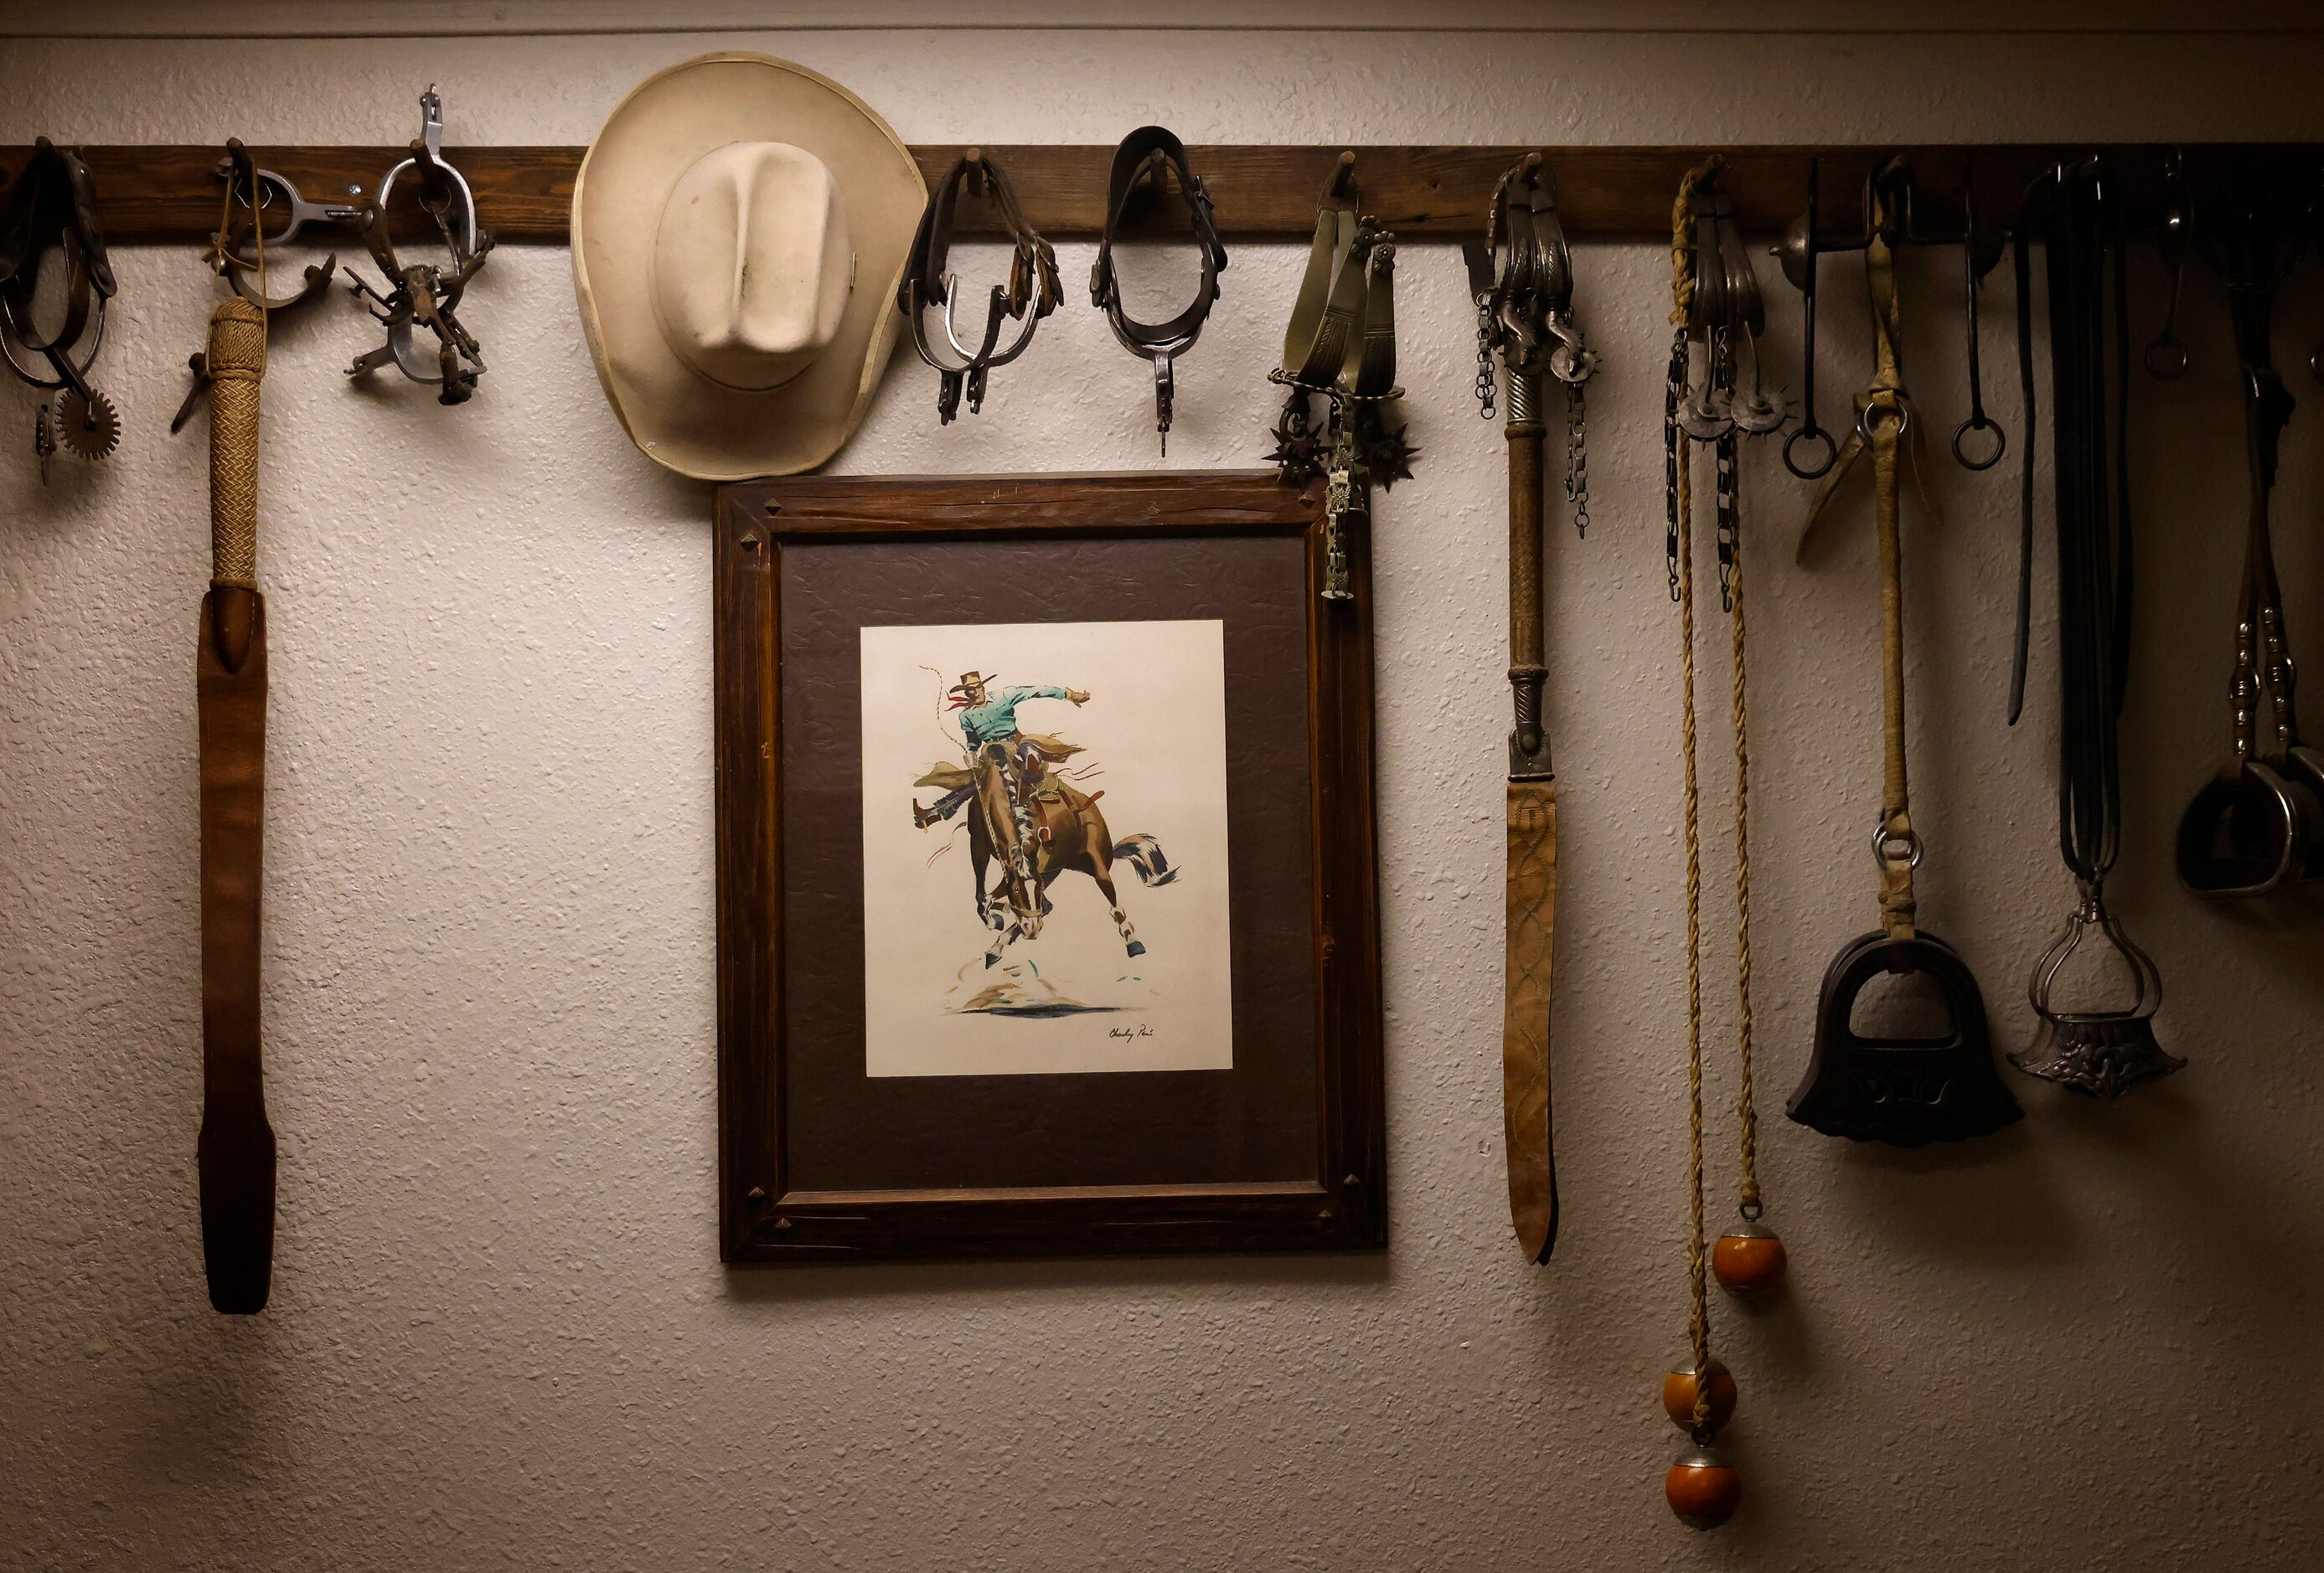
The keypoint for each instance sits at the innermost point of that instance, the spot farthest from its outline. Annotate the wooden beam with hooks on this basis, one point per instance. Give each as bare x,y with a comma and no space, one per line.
168,195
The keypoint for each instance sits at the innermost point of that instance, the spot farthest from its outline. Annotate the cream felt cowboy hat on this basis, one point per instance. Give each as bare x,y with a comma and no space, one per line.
739,229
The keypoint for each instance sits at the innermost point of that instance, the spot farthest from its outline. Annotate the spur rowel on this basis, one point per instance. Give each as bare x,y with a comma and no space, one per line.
1902,1091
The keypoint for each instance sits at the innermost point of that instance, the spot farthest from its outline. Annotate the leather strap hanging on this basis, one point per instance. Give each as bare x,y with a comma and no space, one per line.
1901,1090
2260,822
236,1151
1147,155
2075,208
1033,292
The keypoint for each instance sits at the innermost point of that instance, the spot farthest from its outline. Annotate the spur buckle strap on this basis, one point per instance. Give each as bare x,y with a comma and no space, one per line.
1032,292
51,206
1153,155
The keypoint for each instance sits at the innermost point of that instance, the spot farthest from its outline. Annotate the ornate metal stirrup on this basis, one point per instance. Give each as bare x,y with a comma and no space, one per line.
1032,293
2259,823
1148,157
2099,1054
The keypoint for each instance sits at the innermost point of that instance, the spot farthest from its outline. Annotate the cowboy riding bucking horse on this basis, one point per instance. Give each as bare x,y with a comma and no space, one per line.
1027,818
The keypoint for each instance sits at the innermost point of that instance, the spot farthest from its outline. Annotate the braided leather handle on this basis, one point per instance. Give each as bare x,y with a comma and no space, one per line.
236,360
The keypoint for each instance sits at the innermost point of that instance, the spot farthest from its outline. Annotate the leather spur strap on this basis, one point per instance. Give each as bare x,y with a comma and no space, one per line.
1152,153
53,207
1341,343
1033,292
236,1152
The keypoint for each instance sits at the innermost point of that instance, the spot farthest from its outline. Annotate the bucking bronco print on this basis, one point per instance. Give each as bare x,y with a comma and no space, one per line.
998,939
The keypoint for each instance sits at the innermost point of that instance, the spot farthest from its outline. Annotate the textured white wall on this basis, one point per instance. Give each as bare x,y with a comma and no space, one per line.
501,1335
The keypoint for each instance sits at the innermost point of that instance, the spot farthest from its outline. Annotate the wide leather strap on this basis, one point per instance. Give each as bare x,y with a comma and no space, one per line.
1532,923
236,1151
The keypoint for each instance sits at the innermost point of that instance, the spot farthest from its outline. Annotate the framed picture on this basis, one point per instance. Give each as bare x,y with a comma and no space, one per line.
1046,906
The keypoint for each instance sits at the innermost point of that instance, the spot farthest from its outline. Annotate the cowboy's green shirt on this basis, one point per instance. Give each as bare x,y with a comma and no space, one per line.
995,720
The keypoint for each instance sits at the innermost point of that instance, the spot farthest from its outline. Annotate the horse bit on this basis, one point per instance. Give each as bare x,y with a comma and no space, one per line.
1979,441
53,207
1522,279
1726,315
1144,159
1033,292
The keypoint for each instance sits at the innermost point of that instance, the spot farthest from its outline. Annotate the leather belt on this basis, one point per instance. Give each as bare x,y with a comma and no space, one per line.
1146,155
1033,292
236,1152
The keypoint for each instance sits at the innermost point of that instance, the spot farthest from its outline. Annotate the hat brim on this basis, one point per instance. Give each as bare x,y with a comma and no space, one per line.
676,416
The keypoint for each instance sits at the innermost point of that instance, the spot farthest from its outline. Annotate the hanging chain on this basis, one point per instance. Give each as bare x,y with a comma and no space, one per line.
1674,492
1729,519
1485,378
1577,457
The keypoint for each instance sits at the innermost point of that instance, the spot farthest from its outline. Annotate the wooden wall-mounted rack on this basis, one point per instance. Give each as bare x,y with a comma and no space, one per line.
169,194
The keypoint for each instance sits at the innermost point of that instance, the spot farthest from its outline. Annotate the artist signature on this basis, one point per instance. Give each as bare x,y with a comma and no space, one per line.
1139,1031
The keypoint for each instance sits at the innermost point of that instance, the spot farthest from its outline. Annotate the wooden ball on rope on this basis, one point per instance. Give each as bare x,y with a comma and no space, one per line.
1678,1397
1749,1258
1702,1488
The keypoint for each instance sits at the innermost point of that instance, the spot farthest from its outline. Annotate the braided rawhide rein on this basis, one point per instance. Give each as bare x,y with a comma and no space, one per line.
1701,1487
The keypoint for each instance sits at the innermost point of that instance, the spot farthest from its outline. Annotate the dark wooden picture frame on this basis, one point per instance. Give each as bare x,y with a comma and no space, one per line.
1312,1022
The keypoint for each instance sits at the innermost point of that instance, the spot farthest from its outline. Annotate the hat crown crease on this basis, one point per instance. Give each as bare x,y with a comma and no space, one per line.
752,264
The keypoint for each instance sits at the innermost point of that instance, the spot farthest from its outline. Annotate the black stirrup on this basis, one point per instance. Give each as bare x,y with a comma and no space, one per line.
1904,1091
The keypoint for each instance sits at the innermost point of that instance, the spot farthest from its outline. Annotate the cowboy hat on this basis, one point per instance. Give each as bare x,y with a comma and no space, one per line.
739,227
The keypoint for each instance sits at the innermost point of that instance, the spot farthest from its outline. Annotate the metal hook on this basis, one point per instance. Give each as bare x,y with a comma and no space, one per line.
1798,251
1977,420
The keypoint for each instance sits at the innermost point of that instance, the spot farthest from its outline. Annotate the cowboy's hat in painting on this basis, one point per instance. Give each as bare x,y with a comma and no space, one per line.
739,228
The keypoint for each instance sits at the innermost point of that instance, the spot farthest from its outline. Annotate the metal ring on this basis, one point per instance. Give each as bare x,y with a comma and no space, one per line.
1883,839
1904,413
1808,433
464,246
1981,423
2166,360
